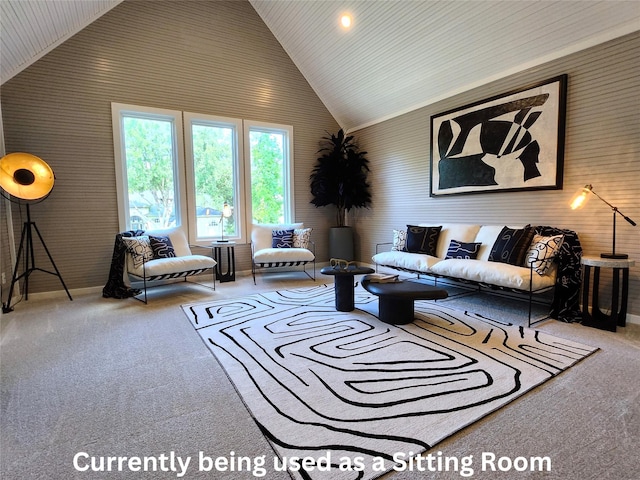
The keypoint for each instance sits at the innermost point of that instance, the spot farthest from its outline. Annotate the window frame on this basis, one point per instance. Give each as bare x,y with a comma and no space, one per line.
184,168
287,130
191,119
118,112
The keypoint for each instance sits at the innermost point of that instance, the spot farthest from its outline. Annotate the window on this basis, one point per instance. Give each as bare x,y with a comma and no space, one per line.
270,149
148,149
214,174
168,160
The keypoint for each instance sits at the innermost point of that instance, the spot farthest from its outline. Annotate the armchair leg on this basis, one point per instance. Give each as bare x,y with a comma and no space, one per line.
304,269
309,275
144,289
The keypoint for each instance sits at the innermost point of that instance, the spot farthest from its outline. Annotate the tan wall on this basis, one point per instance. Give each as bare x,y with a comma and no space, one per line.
219,58
215,58
602,148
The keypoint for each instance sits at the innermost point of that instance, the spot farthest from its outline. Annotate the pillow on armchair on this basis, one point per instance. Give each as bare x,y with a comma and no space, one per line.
302,237
139,249
282,238
262,234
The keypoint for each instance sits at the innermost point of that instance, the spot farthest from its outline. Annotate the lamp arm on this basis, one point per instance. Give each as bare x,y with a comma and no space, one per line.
626,218
615,209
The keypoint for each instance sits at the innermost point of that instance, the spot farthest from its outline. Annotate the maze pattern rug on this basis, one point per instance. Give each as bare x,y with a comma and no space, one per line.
338,387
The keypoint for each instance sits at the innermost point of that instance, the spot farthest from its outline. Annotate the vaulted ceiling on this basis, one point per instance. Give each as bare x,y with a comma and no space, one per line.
397,55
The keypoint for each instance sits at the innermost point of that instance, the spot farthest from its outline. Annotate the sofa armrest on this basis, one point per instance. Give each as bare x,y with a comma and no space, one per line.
205,247
379,245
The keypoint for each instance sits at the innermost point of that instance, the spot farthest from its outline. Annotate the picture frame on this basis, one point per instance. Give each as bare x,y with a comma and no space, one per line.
506,143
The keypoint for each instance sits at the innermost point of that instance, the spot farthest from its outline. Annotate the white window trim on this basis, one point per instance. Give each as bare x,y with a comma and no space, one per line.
289,215
238,173
184,174
118,110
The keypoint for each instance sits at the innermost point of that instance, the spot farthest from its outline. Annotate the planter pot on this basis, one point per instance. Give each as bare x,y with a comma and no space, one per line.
341,243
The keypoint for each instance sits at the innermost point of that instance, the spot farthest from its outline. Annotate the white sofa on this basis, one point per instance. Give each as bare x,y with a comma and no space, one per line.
481,271
265,255
162,263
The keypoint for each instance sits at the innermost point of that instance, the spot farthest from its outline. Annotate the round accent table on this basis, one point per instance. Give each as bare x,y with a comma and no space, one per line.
343,284
619,293
230,274
395,300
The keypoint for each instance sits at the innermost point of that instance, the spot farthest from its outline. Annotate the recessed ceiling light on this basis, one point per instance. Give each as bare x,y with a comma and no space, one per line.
345,20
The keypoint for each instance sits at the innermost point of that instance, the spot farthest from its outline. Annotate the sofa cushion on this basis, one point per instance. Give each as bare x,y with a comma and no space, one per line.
167,266
512,245
261,233
492,273
455,231
417,262
177,237
542,252
463,250
280,255
422,239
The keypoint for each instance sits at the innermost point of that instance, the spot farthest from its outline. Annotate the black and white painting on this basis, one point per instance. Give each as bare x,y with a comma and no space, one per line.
510,142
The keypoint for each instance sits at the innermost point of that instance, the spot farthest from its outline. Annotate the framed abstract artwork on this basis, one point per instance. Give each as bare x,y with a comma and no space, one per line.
510,142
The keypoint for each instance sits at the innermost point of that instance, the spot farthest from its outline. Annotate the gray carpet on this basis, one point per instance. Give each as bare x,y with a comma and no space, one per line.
118,378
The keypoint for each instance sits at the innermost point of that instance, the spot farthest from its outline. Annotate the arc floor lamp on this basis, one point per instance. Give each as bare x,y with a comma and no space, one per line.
27,179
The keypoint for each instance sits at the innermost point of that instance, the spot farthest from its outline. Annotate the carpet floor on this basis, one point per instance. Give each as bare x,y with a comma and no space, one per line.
118,378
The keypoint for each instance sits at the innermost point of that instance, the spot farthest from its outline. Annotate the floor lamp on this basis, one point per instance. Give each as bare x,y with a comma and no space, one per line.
580,199
27,179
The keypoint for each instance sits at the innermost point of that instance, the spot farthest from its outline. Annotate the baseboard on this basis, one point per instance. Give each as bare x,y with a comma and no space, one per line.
631,318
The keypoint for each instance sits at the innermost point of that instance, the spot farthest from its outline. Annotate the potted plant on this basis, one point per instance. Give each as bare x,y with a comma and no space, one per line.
340,178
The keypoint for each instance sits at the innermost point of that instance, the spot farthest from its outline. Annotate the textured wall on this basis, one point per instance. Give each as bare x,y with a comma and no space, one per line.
219,58
602,148
215,58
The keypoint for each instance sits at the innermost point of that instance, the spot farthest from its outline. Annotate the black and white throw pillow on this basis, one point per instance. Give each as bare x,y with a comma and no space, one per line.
139,248
463,250
512,245
422,239
282,239
161,246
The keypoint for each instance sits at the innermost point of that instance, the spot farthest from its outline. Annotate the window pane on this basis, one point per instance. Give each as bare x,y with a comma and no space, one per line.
151,186
267,176
213,162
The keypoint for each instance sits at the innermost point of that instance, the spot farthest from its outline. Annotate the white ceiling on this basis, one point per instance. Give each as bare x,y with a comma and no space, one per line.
399,54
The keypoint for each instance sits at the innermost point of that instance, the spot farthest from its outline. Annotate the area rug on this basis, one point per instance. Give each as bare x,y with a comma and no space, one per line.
341,395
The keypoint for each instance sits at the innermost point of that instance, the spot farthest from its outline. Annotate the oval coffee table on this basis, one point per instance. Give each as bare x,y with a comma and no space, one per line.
343,284
395,300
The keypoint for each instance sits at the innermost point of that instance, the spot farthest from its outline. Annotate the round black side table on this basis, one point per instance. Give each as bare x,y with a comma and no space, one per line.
344,284
230,274
619,293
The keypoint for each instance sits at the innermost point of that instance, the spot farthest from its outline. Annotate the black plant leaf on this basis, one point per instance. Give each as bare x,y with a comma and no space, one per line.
340,175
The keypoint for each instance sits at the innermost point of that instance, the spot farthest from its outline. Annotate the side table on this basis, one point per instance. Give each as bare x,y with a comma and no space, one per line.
619,294
230,274
343,284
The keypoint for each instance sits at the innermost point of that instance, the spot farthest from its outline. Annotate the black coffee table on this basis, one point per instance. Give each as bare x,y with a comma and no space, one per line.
395,300
343,284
